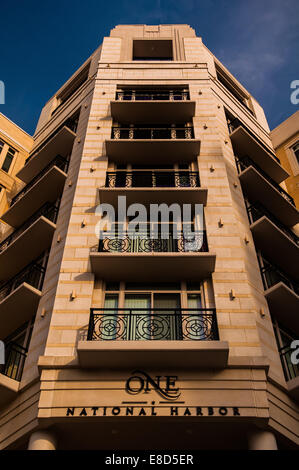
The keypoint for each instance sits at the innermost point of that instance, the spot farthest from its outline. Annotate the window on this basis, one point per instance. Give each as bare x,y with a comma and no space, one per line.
232,87
295,149
159,49
1,145
8,159
72,87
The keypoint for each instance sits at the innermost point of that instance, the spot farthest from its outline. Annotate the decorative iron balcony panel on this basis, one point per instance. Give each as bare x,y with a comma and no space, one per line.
58,161
272,275
152,133
143,243
153,324
48,210
152,95
246,162
291,371
15,356
33,275
256,211
151,179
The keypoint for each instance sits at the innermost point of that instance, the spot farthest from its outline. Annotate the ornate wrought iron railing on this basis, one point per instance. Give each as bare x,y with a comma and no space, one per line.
15,356
33,274
256,211
58,161
272,275
235,123
152,95
133,324
48,210
152,133
144,243
152,178
291,370
246,162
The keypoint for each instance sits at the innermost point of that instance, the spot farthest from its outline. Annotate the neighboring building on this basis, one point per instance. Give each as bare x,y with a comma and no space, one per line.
15,145
285,139
154,116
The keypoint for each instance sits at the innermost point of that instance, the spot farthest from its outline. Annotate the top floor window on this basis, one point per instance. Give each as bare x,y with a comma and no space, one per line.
72,87
232,87
295,149
8,159
148,49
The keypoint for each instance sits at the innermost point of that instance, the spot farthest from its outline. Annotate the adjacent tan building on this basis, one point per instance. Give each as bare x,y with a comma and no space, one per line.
15,145
138,342
285,139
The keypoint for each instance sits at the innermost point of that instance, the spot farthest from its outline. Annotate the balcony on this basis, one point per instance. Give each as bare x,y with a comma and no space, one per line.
11,372
153,337
28,241
141,106
47,186
282,294
61,143
246,143
138,256
166,186
284,246
259,186
19,297
291,371
159,144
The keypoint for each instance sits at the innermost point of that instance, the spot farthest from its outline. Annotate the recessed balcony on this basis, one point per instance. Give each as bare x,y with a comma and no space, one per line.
19,297
282,294
28,241
59,144
245,143
277,242
144,258
159,144
154,187
258,186
153,337
11,372
47,186
144,105
291,371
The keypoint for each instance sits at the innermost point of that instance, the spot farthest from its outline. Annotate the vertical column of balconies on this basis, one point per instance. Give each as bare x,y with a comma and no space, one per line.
32,216
141,257
272,216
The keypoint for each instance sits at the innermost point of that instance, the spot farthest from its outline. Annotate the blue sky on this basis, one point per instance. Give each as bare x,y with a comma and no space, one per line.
43,43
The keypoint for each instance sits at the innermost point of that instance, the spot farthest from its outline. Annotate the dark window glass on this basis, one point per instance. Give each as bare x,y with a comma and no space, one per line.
8,160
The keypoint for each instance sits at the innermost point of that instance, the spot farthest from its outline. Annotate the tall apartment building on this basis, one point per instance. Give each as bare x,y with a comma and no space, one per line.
15,145
285,140
137,342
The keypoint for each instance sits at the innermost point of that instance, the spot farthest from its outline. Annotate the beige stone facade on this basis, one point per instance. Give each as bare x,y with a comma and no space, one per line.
237,387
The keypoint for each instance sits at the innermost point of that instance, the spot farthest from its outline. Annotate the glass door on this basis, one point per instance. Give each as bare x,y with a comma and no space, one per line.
107,326
138,320
196,327
167,322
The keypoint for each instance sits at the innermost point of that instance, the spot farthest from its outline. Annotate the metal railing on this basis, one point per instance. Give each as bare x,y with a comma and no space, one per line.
33,274
58,161
152,132
272,275
144,243
133,324
256,211
15,356
235,123
291,371
246,162
152,178
48,210
152,95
